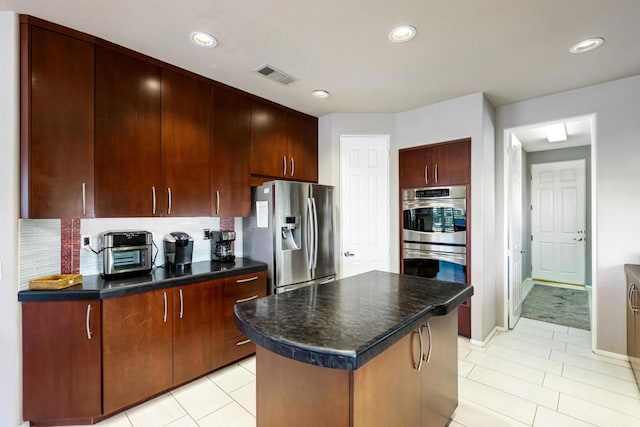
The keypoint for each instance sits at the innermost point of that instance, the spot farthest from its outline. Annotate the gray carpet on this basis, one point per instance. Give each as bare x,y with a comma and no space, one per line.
568,307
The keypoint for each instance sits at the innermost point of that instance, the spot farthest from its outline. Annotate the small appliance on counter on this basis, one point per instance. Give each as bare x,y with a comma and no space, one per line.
178,250
126,253
221,245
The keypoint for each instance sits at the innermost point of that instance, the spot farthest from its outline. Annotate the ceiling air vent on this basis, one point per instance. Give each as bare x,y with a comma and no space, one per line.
275,74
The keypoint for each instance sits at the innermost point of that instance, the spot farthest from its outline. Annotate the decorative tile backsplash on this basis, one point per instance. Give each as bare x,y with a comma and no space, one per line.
54,246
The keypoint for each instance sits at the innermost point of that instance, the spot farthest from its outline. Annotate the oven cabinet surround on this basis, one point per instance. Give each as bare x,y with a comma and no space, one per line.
633,318
95,115
376,363
284,144
94,349
435,165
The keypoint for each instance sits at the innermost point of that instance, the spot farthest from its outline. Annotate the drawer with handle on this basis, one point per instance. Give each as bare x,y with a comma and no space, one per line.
252,282
238,348
230,329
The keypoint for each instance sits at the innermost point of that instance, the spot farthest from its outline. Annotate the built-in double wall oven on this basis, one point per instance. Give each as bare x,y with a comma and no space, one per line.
434,233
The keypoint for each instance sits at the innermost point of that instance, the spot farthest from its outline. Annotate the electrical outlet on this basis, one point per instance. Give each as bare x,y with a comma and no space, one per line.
86,241
207,234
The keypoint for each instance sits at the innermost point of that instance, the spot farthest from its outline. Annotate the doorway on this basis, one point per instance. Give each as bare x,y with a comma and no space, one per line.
364,204
549,203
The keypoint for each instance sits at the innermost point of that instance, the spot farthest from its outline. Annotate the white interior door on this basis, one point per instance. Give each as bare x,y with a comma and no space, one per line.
558,221
516,293
364,204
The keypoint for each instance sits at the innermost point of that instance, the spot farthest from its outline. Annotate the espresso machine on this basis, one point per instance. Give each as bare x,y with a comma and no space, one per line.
221,245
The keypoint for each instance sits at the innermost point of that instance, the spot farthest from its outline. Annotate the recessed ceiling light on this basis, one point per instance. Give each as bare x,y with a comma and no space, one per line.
203,39
403,33
320,93
556,133
587,45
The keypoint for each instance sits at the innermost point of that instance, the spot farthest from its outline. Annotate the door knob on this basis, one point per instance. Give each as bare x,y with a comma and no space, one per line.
349,254
578,239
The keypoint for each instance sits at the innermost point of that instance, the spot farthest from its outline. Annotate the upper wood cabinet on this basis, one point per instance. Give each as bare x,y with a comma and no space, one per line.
127,136
284,144
231,191
436,165
186,146
57,125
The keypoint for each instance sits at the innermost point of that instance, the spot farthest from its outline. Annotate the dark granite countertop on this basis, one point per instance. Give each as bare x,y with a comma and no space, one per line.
95,287
346,323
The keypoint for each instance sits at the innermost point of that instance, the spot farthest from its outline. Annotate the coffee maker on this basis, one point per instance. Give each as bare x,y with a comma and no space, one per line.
221,245
178,250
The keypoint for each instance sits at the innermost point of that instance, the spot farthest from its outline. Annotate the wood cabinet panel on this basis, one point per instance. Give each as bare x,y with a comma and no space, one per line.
268,140
61,347
186,127
436,165
246,283
197,329
127,135
302,134
230,163
414,167
137,348
57,125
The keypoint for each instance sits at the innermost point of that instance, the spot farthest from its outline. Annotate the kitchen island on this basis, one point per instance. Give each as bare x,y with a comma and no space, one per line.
374,349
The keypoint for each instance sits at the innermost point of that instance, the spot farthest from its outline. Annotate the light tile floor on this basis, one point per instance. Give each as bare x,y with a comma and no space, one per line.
538,374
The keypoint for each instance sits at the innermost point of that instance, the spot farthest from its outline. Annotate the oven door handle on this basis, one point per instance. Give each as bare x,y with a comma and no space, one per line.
459,204
439,256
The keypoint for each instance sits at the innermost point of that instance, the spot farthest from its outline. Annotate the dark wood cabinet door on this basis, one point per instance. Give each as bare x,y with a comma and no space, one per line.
452,163
269,153
302,134
127,135
231,156
186,146
197,331
414,167
137,348
61,348
57,125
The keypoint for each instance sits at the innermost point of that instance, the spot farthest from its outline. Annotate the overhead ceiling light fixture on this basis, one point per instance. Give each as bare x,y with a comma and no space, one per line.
320,93
587,45
556,133
202,39
401,34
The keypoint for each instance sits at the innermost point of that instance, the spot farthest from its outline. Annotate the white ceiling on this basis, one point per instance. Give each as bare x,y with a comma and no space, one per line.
535,138
510,49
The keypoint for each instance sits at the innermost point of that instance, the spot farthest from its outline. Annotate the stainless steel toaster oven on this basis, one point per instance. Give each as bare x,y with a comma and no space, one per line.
126,253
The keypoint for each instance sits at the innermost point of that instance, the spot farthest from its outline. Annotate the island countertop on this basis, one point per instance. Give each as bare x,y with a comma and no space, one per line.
346,323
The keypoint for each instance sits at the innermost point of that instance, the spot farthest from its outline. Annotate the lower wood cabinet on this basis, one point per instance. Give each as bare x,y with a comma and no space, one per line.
137,348
84,360
61,367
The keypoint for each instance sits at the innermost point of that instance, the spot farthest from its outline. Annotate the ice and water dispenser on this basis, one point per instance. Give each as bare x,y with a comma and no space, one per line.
290,233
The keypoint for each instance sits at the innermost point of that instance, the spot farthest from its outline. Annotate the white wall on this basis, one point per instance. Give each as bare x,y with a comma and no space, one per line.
10,325
469,116
616,236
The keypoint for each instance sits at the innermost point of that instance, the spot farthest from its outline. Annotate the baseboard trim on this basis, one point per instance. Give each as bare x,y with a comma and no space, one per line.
611,354
488,338
527,285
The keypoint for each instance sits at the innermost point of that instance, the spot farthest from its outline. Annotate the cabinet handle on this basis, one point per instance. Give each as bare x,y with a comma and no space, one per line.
246,299
89,333
293,166
632,289
153,200
418,366
284,165
250,279
169,194
426,174
217,202
436,173
164,318
427,357
84,199
181,304
238,344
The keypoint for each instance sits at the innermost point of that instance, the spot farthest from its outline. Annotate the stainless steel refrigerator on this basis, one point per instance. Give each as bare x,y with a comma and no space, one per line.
291,229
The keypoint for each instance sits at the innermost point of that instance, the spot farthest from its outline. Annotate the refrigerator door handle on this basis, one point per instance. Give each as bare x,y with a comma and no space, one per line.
310,234
315,234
